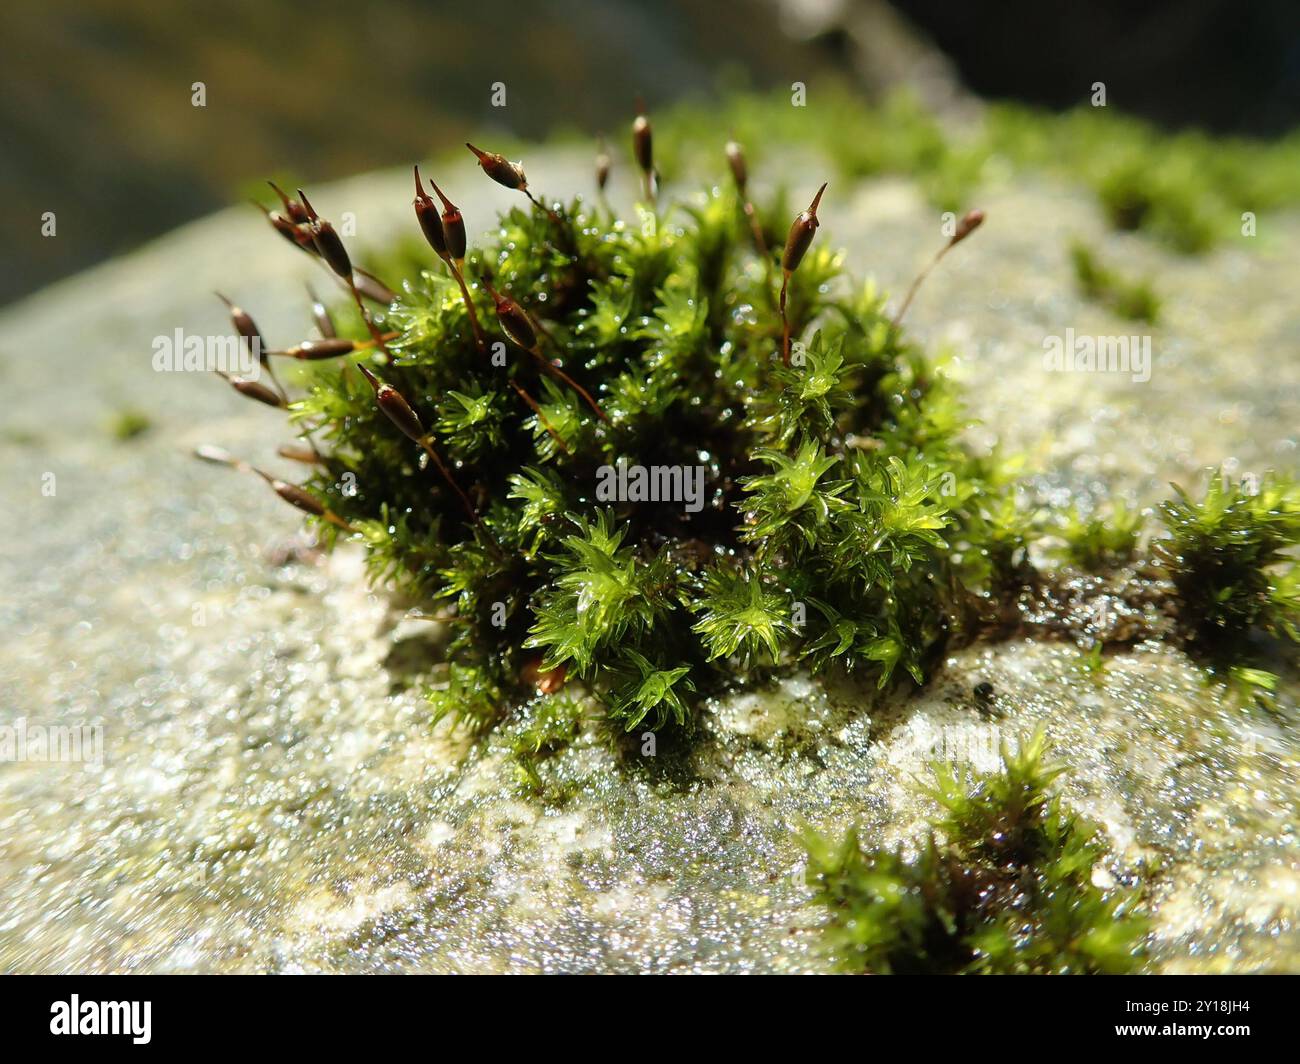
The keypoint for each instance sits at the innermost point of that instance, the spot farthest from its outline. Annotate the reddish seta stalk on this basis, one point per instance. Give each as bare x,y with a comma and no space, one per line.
740,173
970,221
295,495
400,413
518,325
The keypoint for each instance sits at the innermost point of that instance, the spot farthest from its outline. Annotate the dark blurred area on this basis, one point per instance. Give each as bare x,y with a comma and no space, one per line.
98,126
1231,66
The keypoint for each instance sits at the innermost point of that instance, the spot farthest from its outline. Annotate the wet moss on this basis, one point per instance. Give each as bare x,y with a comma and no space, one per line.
494,470
1007,888
1231,555
1101,541
540,732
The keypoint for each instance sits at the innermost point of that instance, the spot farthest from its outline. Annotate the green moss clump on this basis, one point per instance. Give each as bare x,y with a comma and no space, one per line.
543,729
1136,196
469,696
1231,557
1129,298
1009,890
828,487
129,424
1102,540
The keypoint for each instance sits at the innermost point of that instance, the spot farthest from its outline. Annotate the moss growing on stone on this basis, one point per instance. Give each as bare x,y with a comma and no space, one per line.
1195,198
129,424
1131,298
544,728
1101,541
614,450
1231,555
1008,889
624,482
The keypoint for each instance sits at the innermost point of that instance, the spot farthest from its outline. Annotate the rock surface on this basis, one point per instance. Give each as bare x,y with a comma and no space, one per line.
272,797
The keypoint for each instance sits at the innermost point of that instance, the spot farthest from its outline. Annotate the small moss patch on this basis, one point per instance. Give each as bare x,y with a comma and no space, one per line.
1008,889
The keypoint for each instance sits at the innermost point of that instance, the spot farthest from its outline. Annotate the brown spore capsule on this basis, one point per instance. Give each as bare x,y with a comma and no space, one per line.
643,140
801,235
331,347
293,495
372,287
453,225
739,168
514,320
970,221
395,407
247,328
499,168
329,245
296,212
426,213
295,235
243,323
305,455
253,390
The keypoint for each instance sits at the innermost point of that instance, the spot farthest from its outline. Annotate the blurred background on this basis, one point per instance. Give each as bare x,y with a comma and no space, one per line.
97,123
